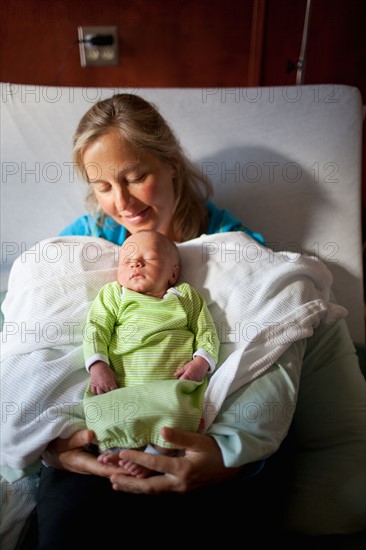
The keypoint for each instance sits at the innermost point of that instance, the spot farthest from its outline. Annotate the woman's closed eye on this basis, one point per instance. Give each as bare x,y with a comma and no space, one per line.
101,187
135,178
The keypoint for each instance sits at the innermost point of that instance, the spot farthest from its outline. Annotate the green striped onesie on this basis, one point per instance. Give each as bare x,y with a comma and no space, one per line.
144,340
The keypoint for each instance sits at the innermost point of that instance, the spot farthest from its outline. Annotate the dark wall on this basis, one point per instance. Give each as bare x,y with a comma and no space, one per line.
163,43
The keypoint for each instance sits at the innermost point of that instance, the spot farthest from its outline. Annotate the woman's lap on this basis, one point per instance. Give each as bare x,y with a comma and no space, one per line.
76,509
331,378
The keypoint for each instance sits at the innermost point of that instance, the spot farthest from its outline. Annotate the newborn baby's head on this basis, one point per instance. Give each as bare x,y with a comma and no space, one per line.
148,263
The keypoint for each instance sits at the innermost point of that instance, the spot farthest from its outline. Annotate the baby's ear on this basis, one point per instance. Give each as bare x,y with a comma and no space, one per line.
175,274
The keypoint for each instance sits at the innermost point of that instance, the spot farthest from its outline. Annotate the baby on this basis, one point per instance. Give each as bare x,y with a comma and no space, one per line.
143,328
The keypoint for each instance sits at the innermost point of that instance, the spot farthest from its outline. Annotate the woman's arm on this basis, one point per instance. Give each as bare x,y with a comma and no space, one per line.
70,454
250,426
202,464
255,419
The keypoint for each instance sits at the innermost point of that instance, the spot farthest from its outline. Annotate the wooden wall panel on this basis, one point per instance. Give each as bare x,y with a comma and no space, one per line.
282,41
162,42
336,51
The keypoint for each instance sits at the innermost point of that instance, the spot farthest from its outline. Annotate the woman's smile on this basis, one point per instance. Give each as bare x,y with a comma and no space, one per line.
138,217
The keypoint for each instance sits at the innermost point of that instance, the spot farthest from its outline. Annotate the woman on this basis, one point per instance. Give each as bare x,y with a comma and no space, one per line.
139,178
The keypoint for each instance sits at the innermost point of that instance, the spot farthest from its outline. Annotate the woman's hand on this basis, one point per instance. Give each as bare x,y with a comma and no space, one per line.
70,454
201,465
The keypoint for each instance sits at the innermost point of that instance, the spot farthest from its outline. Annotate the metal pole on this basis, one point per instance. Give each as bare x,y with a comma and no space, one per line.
302,59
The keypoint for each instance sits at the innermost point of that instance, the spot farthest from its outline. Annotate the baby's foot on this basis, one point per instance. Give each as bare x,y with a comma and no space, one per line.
135,470
126,466
109,458
129,468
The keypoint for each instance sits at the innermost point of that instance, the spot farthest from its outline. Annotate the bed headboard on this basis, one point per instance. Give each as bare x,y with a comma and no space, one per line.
286,160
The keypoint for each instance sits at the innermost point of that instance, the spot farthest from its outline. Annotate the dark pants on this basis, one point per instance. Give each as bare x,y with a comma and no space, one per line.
82,511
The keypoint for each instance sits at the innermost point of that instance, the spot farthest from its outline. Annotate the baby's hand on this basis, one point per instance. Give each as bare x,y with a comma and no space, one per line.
102,378
193,370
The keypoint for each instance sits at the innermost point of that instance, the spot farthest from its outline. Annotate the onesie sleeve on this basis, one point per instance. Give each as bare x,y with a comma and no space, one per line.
201,324
100,324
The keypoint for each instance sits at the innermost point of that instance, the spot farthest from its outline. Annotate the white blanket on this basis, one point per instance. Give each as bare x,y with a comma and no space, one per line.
260,301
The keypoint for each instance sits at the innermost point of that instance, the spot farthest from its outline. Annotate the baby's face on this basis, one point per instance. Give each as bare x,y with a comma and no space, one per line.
148,264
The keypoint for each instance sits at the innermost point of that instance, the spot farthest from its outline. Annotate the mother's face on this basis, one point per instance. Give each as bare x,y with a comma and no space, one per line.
135,188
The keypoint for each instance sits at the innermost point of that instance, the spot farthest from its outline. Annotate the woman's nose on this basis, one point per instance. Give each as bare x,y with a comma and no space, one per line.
121,198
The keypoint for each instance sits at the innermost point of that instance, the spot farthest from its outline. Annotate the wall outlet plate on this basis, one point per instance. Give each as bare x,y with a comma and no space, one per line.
104,52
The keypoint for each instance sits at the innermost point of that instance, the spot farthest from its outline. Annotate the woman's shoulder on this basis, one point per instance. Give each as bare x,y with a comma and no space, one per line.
81,226
222,220
90,226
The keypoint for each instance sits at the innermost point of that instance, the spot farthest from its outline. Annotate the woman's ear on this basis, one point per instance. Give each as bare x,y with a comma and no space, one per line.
173,170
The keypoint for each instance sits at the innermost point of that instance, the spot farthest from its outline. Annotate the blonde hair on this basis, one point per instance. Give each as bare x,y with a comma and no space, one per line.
139,122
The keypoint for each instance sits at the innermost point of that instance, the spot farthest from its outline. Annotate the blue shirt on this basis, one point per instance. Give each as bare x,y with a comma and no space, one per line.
220,221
